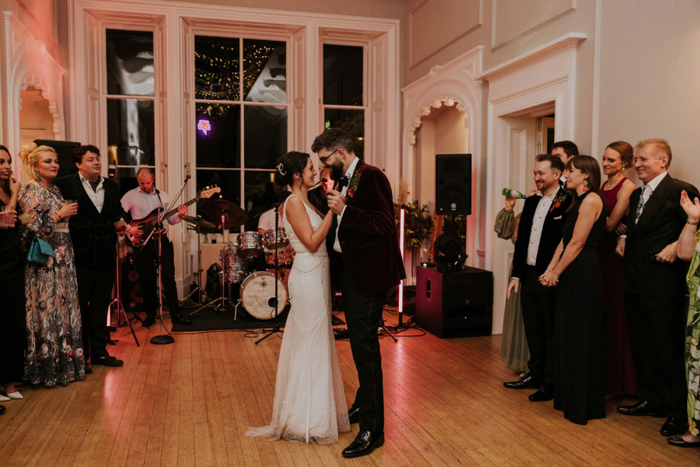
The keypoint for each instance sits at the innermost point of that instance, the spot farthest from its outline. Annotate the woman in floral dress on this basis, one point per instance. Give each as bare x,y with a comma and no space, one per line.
54,344
687,249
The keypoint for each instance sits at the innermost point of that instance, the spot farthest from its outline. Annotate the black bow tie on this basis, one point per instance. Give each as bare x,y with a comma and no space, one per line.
343,182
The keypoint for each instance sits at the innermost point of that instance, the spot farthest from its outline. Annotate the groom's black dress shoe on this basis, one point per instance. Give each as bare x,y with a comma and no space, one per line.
2,409
364,444
354,415
545,393
526,382
681,443
675,426
641,408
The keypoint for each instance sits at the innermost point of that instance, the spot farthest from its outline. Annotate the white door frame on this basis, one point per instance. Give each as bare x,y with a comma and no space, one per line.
544,75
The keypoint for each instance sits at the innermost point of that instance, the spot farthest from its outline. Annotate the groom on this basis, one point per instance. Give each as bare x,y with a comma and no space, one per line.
365,238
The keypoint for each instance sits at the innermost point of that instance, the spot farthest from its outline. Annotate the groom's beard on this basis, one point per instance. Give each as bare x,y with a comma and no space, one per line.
337,171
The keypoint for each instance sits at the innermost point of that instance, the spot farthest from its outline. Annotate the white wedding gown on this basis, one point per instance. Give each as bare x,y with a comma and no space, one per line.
309,402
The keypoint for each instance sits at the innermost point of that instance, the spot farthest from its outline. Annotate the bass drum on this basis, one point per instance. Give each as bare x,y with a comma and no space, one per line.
258,295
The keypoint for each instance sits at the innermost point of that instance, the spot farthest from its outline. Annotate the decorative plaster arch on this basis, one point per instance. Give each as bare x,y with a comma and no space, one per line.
37,82
447,101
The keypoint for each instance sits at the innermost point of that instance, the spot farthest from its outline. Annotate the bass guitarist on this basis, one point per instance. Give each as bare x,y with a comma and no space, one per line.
139,203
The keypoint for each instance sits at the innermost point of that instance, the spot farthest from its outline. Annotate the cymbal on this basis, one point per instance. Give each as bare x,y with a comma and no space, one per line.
201,223
213,209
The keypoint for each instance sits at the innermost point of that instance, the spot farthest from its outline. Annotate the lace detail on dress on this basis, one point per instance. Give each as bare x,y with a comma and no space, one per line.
309,404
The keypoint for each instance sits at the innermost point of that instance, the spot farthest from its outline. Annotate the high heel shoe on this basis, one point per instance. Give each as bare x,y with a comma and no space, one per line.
14,395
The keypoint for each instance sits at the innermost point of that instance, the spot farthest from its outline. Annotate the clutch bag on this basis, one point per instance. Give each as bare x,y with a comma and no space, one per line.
39,252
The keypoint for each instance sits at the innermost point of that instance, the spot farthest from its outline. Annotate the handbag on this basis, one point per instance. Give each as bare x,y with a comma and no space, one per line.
39,252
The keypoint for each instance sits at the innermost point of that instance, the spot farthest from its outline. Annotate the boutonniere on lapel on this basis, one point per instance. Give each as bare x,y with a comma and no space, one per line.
563,194
352,185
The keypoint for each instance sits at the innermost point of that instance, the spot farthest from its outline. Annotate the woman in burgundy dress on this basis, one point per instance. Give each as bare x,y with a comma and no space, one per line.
620,377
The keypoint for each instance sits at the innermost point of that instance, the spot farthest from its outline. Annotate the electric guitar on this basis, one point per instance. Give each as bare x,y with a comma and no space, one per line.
149,223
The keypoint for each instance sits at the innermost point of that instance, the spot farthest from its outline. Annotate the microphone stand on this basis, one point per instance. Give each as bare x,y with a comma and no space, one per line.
276,324
162,338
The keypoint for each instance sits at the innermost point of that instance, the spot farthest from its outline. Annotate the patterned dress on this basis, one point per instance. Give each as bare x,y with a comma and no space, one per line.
54,343
692,345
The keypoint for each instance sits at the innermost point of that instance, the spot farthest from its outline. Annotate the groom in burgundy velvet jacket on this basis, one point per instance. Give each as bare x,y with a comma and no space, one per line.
366,253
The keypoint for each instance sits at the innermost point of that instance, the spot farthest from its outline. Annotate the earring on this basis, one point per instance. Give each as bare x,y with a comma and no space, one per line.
585,184
37,176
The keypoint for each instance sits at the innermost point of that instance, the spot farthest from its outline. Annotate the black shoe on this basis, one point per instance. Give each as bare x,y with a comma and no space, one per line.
641,408
2,409
543,394
88,369
178,318
354,415
681,443
106,361
149,321
675,426
526,382
364,444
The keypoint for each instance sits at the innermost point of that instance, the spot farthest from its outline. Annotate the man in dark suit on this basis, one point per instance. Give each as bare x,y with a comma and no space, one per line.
539,234
655,289
94,243
367,239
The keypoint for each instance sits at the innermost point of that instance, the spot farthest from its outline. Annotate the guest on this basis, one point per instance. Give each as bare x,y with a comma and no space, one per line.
655,288
579,389
688,250
92,231
539,234
620,376
565,150
514,352
54,352
13,335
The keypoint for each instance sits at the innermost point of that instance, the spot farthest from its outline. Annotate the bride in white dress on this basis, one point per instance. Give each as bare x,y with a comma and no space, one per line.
310,404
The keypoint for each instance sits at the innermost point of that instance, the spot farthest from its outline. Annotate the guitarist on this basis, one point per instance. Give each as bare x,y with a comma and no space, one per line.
94,243
139,203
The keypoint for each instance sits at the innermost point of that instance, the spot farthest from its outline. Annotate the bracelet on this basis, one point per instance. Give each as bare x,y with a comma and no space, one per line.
691,223
59,217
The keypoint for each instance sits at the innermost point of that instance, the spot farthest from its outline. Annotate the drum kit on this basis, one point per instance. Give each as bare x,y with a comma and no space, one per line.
254,268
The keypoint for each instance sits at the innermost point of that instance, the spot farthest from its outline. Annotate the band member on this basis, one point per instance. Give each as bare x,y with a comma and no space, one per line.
94,243
138,204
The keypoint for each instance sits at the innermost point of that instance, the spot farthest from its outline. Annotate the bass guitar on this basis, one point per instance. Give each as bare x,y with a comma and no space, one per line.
149,223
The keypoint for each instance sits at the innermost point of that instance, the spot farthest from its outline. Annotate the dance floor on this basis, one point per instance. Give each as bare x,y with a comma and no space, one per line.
189,403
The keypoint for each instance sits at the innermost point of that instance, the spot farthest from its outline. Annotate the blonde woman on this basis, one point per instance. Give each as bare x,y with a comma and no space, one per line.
54,343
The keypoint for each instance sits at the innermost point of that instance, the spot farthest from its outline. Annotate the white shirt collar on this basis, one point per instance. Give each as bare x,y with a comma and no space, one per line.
83,178
551,194
655,181
351,169
138,188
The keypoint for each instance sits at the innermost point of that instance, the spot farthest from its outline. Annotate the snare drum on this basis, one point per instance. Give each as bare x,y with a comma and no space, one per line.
272,239
258,293
234,266
250,244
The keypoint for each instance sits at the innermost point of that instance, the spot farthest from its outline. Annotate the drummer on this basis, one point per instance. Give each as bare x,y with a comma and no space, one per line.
267,219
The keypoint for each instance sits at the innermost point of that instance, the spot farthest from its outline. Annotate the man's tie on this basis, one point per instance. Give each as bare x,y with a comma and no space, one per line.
641,203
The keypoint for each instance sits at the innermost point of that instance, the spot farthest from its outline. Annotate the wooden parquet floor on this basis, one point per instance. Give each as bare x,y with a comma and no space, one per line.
190,403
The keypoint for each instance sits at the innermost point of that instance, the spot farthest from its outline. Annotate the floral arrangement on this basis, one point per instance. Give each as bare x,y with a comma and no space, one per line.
559,199
418,223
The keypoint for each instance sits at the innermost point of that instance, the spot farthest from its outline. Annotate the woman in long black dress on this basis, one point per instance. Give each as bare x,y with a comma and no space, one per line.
12,313
579,389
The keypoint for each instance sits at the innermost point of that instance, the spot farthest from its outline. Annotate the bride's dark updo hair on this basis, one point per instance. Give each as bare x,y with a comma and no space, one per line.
289,164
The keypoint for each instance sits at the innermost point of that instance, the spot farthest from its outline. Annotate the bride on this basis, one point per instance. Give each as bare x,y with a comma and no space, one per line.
310,404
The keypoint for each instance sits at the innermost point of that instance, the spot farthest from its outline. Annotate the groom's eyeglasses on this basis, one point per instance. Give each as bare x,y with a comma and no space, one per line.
324,159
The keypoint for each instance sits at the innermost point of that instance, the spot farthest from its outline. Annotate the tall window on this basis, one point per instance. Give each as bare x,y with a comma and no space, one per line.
130,103
343,92
241,118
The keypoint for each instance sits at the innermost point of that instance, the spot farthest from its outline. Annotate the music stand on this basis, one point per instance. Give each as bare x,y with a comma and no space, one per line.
276,324
121,311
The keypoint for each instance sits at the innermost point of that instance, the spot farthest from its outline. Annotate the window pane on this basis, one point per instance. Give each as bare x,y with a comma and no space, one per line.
342,75
261,194
130,131
352,121
265,136
218,141
265,71
216,68
130,63
228,180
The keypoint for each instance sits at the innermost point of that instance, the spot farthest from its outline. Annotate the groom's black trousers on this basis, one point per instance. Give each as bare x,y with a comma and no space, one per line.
364,316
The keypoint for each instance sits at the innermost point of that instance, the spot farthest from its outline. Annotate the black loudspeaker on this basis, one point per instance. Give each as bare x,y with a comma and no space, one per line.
453,184
64,150
455,303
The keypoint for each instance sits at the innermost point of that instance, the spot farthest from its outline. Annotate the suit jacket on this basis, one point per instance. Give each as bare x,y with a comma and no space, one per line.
551,232
92,232
659,225
367,232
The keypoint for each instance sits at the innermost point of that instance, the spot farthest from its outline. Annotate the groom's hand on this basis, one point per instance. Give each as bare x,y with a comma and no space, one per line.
336,202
